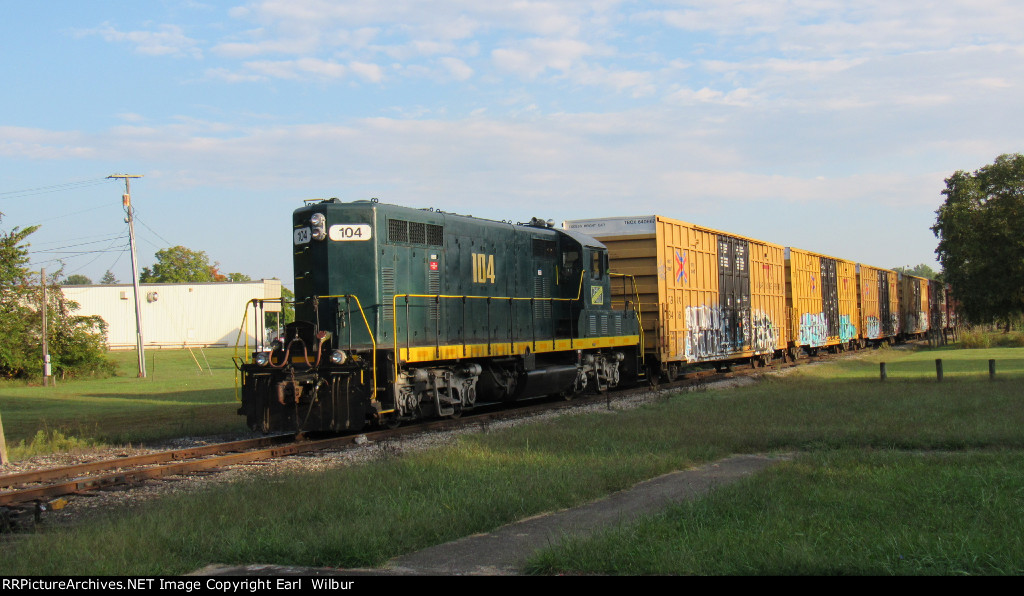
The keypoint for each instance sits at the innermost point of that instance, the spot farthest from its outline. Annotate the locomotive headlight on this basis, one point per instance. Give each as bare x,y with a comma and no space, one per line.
318,226
261,358
338,357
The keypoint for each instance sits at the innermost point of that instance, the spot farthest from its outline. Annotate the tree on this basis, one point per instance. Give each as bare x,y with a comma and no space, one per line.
77,344
108,278
77,279
980,228
273,320
178,265
15,298
183,265
922,270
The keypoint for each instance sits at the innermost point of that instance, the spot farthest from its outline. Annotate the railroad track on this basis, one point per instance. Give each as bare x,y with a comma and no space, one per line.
38,490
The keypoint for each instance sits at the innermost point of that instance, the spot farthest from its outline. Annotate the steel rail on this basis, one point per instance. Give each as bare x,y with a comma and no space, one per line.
52,474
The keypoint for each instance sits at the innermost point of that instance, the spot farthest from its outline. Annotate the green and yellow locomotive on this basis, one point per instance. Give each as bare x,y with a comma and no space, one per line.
406,313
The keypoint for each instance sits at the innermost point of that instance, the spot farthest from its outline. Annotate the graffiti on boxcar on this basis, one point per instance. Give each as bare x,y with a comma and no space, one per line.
813,329
922,321
847,330
714,332
873,327
681,264
706,333
766,334
917,322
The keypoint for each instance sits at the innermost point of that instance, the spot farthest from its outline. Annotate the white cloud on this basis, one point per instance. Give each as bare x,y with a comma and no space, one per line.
532,57
166,40
736,97
31,143
456,68
302,68
370,72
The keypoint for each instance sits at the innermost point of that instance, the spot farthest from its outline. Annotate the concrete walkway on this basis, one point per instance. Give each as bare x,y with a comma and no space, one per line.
502,551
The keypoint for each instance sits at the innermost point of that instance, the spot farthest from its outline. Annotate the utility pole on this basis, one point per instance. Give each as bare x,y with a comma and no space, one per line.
46,351
130,220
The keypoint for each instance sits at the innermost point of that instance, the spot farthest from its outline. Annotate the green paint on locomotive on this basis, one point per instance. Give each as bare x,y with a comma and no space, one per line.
428,278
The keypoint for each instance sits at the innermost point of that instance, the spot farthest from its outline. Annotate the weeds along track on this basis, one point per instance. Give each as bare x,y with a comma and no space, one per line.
35,491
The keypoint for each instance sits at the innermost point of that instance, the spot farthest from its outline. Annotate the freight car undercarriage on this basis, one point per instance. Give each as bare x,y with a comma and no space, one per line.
339,397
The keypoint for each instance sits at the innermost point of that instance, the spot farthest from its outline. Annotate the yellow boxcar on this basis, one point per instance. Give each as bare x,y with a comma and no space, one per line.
878,300
913,292
705,295
821,293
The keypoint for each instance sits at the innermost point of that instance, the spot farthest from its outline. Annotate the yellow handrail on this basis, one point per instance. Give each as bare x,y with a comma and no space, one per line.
636,295
241,331
394,307
373,340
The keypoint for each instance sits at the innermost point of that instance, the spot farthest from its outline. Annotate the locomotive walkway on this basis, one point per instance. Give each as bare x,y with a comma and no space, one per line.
502,551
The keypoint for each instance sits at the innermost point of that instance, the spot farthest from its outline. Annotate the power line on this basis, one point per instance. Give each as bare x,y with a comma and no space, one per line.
61,249
138,219
39,190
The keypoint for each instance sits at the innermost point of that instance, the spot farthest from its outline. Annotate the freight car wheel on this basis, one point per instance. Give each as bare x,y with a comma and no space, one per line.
653,375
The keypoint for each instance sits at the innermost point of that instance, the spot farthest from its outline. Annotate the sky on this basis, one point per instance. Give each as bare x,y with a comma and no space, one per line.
825,125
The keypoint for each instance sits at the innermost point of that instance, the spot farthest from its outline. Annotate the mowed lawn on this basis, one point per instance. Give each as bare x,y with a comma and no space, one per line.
907,476
185,392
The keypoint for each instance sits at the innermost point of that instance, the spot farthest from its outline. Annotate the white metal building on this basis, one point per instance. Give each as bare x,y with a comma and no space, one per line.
175,315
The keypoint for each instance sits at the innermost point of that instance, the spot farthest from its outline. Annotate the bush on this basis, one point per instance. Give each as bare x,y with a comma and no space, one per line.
975,339
76,344
1008,340
981,339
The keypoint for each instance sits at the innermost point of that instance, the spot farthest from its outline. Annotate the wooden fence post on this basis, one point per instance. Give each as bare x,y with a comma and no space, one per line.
3,446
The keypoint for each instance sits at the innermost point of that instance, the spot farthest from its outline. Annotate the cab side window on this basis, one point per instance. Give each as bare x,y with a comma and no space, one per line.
598,264
570,263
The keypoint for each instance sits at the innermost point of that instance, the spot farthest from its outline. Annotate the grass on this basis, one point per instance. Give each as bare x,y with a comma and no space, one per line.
838,512
910,476
177,398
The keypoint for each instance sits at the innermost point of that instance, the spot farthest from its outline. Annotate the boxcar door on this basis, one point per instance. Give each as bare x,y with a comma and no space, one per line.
884,302
830,296
734,291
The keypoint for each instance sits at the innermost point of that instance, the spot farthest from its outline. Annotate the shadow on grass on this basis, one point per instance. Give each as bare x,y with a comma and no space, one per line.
111,418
